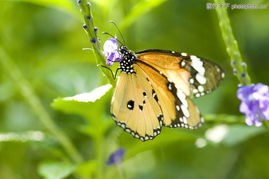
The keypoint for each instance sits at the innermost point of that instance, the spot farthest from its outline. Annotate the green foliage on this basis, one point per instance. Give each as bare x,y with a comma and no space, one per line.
87,169
55,170
81,103
54,115
139,9
66,5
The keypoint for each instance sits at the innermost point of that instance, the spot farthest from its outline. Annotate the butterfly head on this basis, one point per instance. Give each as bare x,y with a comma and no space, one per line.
123,49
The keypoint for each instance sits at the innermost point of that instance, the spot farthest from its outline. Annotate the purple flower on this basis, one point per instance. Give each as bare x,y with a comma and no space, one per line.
254,103
116,157
111,51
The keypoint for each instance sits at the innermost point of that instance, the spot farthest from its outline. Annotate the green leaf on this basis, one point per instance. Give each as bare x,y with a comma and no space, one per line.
91,96
141,8
55,170
80,104
88,105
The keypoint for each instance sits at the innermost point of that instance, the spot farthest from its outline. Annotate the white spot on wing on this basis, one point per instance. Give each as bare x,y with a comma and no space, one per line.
146,137
185,120
201,88
201,79
170,86
182,63
184,54
185,111
177,106
197,64
182,97
191,81
195,91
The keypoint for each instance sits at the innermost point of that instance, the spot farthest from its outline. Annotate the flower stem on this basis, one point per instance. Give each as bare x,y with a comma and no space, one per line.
237,63
36,105
92,34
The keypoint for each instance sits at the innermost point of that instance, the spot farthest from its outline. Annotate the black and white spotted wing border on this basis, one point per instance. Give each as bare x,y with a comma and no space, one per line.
156,131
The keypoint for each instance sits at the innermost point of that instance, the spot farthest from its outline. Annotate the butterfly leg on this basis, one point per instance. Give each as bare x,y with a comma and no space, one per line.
114,75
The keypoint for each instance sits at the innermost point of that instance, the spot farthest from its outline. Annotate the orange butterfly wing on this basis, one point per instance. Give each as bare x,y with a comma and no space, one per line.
195,76
134,108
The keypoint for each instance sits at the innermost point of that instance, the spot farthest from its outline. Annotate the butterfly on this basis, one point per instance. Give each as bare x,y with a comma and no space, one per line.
155,87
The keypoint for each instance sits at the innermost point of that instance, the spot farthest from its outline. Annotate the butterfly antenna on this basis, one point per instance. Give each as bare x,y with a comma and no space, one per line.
106,33
118,31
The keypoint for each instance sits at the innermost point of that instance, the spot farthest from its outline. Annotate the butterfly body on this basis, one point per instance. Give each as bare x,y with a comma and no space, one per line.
127,60
154,90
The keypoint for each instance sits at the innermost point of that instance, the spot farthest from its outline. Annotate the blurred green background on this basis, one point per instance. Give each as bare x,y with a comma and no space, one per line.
41,44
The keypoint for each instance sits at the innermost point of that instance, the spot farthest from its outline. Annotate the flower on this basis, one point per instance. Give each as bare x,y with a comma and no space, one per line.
254,103
116,157
111,51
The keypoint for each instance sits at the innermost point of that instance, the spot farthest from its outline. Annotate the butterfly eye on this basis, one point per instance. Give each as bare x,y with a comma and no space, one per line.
123,49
